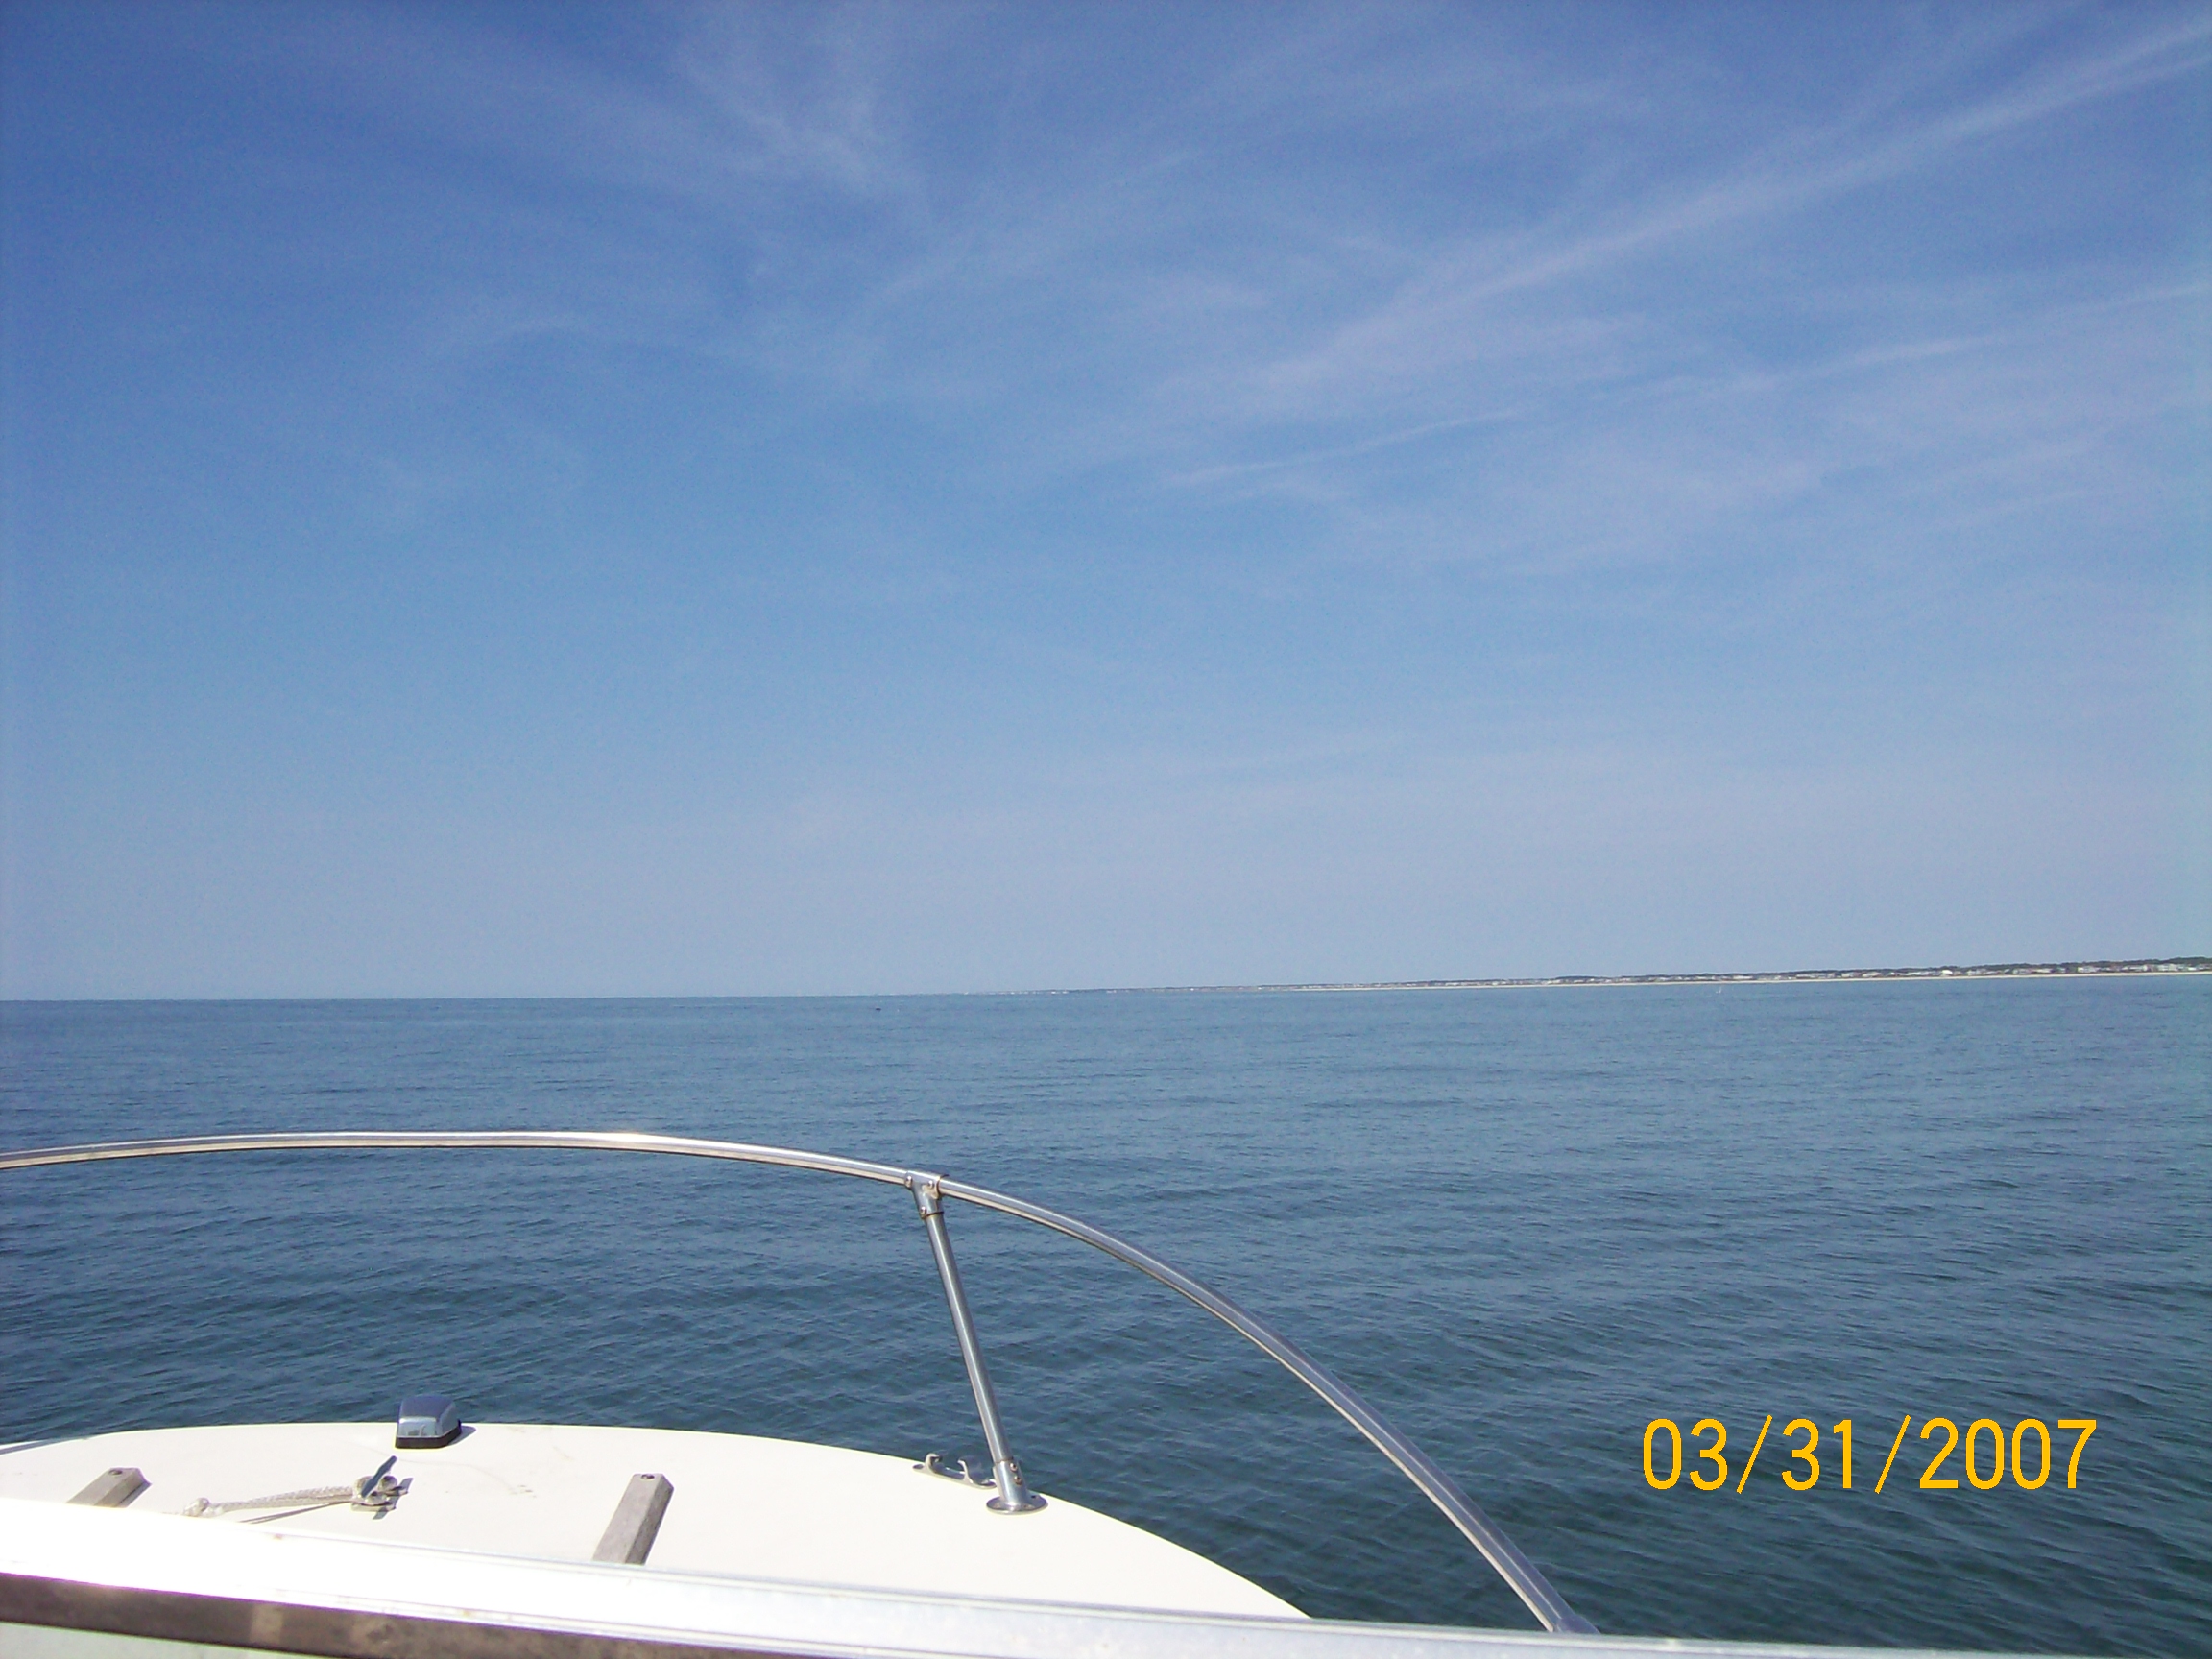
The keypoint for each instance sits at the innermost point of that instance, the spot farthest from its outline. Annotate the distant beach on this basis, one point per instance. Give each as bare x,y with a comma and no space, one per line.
1791,976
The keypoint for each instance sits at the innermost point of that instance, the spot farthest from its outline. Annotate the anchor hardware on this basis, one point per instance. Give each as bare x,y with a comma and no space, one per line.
377,1493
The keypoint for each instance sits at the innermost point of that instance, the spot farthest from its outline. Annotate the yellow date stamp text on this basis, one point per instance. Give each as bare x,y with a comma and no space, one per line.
1988,1453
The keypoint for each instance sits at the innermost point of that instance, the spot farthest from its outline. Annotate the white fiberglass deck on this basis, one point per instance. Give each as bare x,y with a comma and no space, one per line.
785,1549
747,1507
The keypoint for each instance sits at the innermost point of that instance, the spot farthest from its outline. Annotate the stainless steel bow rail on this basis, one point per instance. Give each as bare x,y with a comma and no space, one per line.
930,1192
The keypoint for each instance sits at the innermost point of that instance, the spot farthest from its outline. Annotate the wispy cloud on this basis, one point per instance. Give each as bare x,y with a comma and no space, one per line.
867,208
1436,320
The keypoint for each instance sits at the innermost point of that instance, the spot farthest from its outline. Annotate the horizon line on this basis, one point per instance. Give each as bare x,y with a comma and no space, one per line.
2082,969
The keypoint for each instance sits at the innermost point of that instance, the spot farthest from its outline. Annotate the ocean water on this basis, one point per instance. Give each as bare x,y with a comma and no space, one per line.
1524,1224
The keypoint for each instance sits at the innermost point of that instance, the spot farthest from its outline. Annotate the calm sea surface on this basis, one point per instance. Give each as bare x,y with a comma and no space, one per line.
1523,1223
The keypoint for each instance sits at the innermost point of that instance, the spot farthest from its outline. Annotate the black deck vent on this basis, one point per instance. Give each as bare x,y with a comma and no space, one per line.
428,1420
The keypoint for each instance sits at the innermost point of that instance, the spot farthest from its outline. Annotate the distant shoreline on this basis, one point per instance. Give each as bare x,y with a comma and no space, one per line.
1792,977
2136,968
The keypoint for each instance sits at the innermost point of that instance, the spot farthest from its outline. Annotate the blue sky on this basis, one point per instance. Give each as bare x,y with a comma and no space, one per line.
666,500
